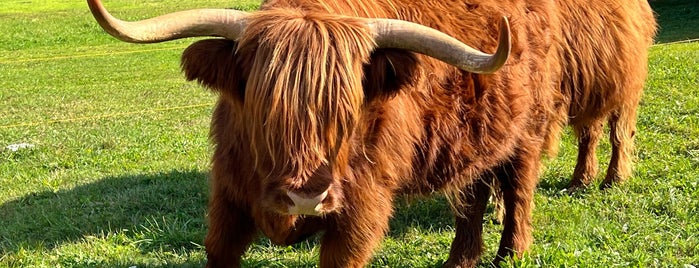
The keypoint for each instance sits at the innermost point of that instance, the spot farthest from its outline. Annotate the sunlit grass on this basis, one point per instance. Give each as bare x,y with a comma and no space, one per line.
118,173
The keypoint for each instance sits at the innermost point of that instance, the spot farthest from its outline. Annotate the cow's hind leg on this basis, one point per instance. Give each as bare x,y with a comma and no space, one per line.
352,234
467,246
622,129
231,230
498,203
518,180
586,167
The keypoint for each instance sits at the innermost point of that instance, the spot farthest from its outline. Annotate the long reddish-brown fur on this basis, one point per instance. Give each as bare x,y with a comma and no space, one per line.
605,61
307,102
603,48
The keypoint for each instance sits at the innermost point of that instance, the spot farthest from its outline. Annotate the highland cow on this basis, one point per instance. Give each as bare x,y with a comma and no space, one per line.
602,79
603,47
328,110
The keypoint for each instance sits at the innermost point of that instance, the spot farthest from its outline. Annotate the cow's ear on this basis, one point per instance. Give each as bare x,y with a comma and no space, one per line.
388,71
212,63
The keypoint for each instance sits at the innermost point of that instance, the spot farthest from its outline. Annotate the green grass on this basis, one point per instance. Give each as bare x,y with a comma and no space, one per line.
118,174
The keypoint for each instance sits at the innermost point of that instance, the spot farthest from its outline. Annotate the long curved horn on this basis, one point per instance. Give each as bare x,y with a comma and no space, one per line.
226,23
390,33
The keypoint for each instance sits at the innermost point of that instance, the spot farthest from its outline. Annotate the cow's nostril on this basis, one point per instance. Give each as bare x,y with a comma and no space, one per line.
306,205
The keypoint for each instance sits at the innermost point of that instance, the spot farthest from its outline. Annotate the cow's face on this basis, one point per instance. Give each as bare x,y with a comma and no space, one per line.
302,96
297,87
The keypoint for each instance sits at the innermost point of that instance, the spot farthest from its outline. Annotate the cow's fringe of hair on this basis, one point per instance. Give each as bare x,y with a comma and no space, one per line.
292,101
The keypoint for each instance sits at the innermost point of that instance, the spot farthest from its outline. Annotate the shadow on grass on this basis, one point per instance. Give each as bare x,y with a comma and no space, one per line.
424,214
553,185
166,209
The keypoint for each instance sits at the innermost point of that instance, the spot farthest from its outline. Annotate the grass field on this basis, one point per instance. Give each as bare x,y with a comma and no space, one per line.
117,175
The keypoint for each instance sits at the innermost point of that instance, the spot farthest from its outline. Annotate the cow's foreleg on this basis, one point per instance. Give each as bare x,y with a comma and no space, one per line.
518,180
231,230
467,246
357,229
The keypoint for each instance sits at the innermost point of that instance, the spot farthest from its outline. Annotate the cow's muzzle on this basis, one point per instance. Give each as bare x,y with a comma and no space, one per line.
304,204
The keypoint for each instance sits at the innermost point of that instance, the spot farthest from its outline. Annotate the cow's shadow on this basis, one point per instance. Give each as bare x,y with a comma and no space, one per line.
166,210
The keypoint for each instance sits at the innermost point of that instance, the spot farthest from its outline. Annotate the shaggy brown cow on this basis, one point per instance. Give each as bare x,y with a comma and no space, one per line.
604,62
608,85
326,113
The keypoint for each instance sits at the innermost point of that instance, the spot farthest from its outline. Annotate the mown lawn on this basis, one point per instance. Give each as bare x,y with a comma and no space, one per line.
117,175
